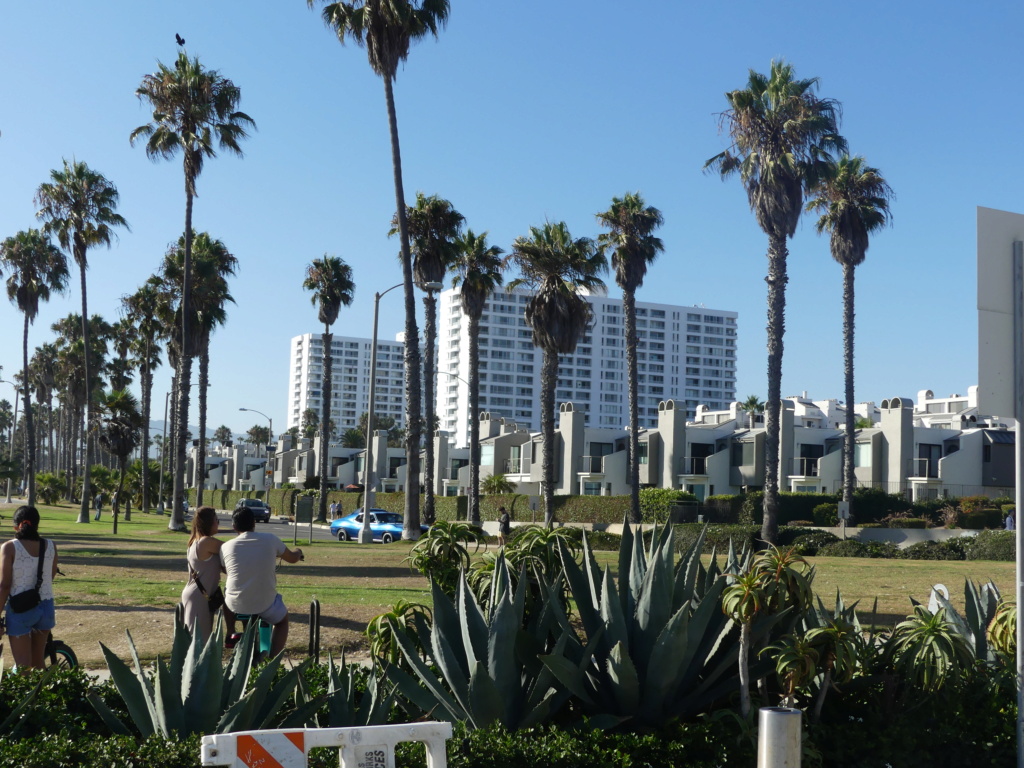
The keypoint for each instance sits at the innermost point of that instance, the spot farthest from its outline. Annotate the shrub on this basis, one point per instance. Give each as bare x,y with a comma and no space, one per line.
981,519
993,545
655,503
602,540
717,537
591,509
723,509
933,550
826,514
854,548
971,504
801,523
811,543
870,505
906,522
792,506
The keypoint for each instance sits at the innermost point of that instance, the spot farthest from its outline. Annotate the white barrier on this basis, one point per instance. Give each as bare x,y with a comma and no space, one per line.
369,747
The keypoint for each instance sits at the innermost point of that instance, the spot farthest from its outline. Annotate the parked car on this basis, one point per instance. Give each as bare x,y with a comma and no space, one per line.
260,510
385,526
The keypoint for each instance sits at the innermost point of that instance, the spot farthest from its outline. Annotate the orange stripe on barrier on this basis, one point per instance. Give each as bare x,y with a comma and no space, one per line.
252,753
298,738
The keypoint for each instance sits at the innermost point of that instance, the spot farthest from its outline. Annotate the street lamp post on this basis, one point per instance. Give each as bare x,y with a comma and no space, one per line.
163,452
271,421
365,534
14,426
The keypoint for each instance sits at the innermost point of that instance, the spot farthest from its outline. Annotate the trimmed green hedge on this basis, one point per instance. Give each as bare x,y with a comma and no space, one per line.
993,545
590,509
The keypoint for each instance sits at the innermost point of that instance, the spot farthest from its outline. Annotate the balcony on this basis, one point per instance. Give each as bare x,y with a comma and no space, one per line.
591,465
924,468
517,466
804,467
693,465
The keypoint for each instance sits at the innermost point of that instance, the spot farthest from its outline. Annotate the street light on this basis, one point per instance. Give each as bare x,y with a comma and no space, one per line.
365,534
14,426
261,413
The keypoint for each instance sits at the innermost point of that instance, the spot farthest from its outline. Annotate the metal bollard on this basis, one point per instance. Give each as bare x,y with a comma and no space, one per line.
314,631
778,737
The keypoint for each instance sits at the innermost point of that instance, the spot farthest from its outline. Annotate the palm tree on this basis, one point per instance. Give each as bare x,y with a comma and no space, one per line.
191,106
433,225
212,264
330,281
781,136
478,274
387,28
142,309
853,199
751,406
36,269
560,270
121,432
79,207
633,245
222,434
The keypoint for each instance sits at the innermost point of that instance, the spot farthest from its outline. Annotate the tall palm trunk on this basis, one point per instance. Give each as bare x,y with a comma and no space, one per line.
430,335
629,325
848,444
548,377
147,408
170,438
30,432
777,279
411,529
325,420
121,462
474,420
177,521
204,383
744,668
83,509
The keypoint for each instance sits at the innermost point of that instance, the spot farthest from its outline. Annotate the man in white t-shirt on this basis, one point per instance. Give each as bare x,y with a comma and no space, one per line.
250,562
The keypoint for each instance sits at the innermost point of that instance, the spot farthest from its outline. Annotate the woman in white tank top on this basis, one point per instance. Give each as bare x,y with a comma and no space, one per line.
19,569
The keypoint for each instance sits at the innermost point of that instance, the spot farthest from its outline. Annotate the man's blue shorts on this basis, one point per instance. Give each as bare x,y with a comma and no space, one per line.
41,617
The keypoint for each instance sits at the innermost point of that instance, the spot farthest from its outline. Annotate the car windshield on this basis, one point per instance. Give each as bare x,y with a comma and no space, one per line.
254,503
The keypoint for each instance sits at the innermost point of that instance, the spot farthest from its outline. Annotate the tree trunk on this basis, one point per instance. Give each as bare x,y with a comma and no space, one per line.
429,409
825,683
204,383
177,521
147,409
744,664
411,529
777,279
170,441
83,509
548,378
325,421
629,326
121,462
474,419
848,444
30,432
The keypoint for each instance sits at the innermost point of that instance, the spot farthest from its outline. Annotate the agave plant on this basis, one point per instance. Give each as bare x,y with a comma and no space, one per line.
981,602
657,646
345,707
193,693
485,667
535,548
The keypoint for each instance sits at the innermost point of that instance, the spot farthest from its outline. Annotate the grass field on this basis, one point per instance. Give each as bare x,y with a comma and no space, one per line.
132,581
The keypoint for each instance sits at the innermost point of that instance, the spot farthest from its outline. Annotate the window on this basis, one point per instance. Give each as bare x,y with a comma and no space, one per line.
742,454
862,454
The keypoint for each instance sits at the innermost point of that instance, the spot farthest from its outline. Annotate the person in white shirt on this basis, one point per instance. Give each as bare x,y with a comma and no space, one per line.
251,586
1010,522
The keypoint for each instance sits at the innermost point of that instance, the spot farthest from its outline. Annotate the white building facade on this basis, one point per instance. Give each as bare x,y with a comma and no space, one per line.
687,354
350,379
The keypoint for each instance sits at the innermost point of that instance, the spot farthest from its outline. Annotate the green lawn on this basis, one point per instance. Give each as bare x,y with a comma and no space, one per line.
133,581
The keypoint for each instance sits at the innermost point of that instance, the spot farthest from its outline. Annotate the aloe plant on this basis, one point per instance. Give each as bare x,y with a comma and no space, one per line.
443,552
411,618
928,648
485,668
1002,630
192,693
981,601
346,708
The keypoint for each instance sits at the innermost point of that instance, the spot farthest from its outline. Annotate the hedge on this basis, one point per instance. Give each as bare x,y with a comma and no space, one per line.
590,509
993,545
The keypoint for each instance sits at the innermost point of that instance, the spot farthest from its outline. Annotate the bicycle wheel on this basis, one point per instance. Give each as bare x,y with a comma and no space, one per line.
61,655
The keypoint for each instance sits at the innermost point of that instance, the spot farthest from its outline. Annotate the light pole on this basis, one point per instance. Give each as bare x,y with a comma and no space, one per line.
271,437
365,534
14,426
163,452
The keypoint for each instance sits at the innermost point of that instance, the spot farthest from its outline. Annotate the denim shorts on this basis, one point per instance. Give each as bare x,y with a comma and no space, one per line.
41,617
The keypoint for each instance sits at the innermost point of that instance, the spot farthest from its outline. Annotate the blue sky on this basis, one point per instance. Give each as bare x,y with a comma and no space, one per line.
521,112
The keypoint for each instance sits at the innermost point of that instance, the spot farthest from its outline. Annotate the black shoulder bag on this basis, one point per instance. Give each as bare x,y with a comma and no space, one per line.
214,599
29,599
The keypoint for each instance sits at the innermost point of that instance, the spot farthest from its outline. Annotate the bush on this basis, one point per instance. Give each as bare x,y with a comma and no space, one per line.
870,505
981,519
801,523
934,550
971,504
723,509
46,750
993,545
717,537
591,509
906,522
604,541
655,503
811,543
853,548
792,506
826,514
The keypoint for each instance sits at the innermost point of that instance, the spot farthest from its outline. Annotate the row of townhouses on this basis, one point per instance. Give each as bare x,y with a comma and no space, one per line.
936,447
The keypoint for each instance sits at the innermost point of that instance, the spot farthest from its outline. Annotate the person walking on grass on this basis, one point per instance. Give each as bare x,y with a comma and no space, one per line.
251,586
504,526
29,617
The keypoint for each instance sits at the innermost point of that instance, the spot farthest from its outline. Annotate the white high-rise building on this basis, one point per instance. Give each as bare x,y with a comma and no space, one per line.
351,379
687,354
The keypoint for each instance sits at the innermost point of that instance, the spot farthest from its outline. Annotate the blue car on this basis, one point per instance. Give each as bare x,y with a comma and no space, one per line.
385,526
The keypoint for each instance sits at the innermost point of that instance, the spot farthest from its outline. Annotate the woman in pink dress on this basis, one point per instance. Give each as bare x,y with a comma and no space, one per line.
204,569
